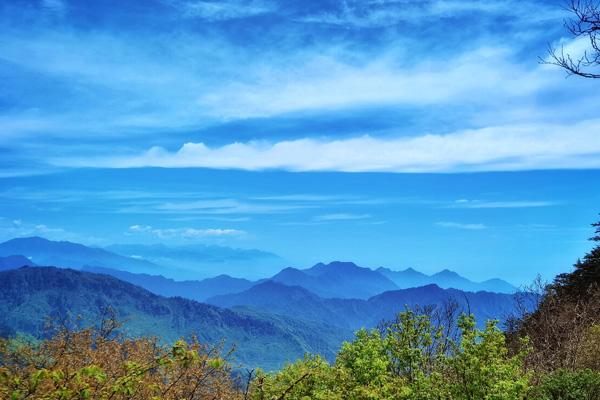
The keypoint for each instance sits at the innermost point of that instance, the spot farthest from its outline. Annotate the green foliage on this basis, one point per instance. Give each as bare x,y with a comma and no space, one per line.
309,378
481,369
586,274
567,385
364,367
412,360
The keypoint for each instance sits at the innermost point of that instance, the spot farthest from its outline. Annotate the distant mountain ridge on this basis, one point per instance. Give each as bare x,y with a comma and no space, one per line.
333,280
72,255
201,261
190,289
337,280
356,313
29,295
445,279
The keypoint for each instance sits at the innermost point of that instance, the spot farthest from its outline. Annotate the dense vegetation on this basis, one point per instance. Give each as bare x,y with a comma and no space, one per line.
428,353
29,295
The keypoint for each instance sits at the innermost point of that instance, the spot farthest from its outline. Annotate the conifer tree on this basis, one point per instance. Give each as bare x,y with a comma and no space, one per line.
586,276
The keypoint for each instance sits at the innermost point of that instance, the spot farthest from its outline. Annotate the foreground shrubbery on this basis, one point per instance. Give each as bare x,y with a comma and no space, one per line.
95,364
410,358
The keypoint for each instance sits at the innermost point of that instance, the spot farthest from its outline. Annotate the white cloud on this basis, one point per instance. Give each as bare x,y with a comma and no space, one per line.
457,225
184,233
502,148
328,81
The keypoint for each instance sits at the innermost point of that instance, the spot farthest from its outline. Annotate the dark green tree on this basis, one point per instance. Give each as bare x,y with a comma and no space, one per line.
586,275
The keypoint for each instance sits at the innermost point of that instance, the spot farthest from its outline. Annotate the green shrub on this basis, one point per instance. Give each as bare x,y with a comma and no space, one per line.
567,385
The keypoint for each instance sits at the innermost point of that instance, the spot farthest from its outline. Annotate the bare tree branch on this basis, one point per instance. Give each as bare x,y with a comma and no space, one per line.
585,23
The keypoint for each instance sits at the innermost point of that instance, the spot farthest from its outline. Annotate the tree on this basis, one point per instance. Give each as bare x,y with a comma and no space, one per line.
584,24
95,364
586,276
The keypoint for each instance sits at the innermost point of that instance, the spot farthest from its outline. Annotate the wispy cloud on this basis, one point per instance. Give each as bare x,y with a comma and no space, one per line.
466,77
370,14
502,148
15,227
222,10
465,203
227,206
458,225
184,233
341,217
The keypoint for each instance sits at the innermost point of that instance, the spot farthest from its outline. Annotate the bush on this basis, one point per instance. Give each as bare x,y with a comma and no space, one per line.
412,360
568,385
89,364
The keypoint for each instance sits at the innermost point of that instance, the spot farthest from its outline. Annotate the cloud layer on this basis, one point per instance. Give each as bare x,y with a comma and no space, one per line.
299,86
503,148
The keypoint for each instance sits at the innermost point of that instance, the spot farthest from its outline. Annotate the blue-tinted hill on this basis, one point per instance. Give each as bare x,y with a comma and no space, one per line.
356,313
445,279
14,261
195,290
29,295
337,280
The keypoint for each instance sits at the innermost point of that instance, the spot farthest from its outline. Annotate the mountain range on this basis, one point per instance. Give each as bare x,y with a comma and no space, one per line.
298,302
335,279
200,261
29,295
277,318
445,279
191,289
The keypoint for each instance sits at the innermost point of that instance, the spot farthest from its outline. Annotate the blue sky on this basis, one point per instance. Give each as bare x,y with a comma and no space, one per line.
395,133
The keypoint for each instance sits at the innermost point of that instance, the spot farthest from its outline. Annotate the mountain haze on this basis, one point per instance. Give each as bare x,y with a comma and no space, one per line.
72,255
201,261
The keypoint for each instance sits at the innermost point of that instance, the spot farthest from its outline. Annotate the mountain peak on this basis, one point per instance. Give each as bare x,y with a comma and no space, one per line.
447,273
332,267
342,264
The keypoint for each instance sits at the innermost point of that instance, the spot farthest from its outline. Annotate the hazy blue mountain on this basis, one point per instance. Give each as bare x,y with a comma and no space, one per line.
28,295
445,279
405,279
195,290
356,313
298,302
337,279
14,261
72,255
198,260
484,305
